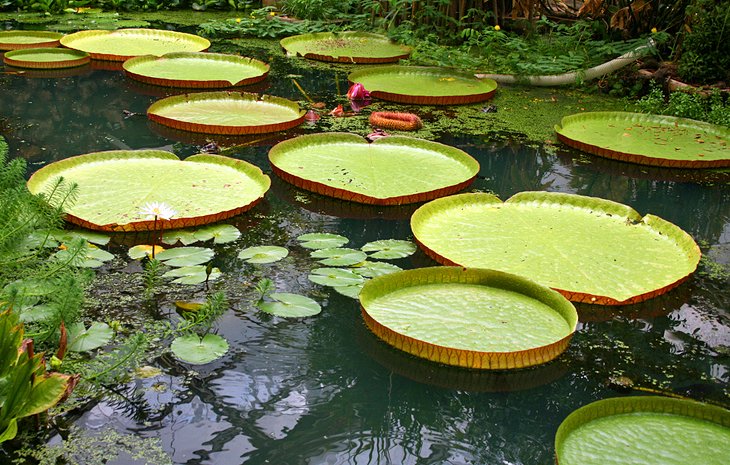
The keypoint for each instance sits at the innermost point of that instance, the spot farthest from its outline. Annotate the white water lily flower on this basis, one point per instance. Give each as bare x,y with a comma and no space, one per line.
159,210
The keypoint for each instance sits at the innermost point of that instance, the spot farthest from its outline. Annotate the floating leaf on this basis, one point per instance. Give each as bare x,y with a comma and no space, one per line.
192,274
147,371
346,47
198,351
140,251
335,277
322,240
94,257
185,236
220,233
349,291
89,236
387,249
188,305
185,256
81,339
263,254
46,58
290,305
370,269
339,256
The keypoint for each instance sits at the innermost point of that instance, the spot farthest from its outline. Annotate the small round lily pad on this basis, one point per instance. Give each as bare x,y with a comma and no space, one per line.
16,40
339,256
263,254
46,58
290,305
198,351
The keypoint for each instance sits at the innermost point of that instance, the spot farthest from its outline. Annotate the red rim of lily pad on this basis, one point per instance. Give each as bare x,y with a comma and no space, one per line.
39,58
685,155
132,69
678,249
400,146
246,102
382,82
400,51
18,40
124,46
383,298
602,423
250,176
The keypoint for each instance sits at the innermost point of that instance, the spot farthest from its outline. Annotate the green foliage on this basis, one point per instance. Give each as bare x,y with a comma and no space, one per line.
713,108
316,9
201,321
705,57
152,276
261,24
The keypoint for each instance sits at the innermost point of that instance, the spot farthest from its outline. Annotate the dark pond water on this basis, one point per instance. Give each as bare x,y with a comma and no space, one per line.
324,390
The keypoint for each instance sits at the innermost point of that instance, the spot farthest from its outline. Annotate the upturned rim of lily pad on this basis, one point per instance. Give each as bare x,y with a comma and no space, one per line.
131,69
282,149
76,40
45,39
686,252
227,97
627,408
441,276
399,51
488,87
63,58
640,153
40,178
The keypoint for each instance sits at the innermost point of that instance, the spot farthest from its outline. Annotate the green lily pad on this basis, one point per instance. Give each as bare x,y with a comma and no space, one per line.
346,47
335,277
591,250
370,269
138,252
229,113
469,317
388,249
185,236
339,256
94,257
185,256
17,40
196,70
122,44
81,339
648,139
88,236
198,351
648,430
349,291
195,274
46,58
37,313
322,240
290,305
423,85
220,233
263,254
114,187
392,170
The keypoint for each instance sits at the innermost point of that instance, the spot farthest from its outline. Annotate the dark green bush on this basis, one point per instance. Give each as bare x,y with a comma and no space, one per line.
705,54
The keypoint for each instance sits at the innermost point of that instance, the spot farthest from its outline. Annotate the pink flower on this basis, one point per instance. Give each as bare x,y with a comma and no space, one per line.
358,92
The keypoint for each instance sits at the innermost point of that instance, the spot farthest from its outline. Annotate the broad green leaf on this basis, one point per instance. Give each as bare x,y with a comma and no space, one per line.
195,274
220,233
648,139
387,249
94,257
36,313
349,291
346,47
185,256
393,170
47,391
321,240
263,254
290,305
335,277
89,236
115,186
339,256
140,251
370,269
185,236
81,339
198,351
122,44
10,432
592,250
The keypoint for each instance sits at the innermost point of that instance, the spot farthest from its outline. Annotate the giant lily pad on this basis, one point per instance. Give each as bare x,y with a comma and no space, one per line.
423,85
123,44
648,139
474,318
198,70
346,47
390,171
591,250
647,430
115,185
46,58
16,40
230,113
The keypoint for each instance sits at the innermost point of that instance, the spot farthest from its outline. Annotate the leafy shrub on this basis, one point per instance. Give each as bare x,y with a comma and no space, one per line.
713,109
316,9
705,57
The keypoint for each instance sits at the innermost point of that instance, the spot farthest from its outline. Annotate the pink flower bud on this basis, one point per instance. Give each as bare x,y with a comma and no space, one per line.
357,92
